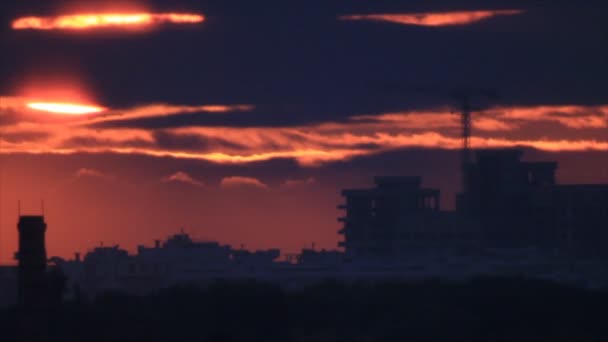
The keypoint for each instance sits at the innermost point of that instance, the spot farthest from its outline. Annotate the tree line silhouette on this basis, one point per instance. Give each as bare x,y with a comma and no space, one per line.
482,309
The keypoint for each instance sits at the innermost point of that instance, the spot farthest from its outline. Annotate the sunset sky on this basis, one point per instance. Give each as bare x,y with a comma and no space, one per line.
241,121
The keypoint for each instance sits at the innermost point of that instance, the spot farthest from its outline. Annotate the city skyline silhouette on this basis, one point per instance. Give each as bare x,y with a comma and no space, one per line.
289,104
283,163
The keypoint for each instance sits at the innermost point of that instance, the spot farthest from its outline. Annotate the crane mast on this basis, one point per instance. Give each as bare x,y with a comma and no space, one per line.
465,153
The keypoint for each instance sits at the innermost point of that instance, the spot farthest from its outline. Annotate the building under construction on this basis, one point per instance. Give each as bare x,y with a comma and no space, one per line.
520,204
506,203
398,218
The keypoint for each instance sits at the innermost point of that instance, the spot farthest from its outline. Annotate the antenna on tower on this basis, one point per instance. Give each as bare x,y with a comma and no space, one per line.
18,208
42,206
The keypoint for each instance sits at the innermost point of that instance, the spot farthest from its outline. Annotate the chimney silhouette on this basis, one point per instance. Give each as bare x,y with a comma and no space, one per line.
32,297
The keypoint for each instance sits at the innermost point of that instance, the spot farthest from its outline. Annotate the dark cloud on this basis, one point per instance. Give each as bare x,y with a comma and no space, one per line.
93,142
199,143
300,64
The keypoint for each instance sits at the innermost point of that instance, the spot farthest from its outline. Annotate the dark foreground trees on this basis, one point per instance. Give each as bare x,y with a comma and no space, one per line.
484,309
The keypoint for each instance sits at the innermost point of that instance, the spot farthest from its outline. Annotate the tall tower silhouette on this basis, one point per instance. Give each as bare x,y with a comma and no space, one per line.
32,297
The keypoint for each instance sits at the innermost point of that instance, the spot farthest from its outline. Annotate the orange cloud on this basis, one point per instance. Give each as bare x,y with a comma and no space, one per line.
571,116
162,109
435,120
30,105
432,18
309,145
316,153
183,177
236,181
104,20
498,118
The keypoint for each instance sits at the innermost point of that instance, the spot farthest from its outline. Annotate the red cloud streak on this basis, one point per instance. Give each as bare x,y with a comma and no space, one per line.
433,18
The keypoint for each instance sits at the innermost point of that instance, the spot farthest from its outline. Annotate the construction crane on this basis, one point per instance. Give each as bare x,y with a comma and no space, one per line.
464,96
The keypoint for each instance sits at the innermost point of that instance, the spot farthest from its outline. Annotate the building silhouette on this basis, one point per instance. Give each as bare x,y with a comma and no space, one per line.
501,194
507,203
398,218
32,282
520,204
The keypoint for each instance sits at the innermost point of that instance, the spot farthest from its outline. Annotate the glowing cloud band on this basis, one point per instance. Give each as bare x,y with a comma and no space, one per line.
433,18
581,128
65,108
104,20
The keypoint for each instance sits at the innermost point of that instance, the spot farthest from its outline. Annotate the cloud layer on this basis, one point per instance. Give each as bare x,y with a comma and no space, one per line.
552,128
